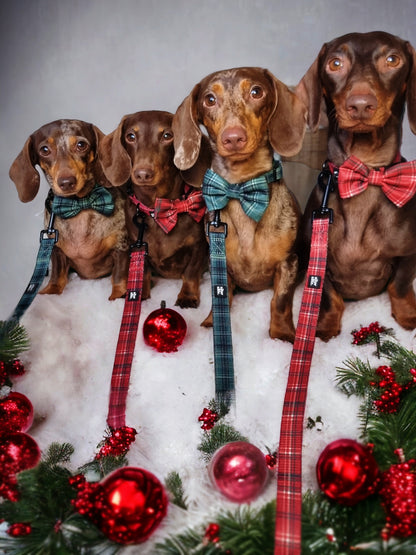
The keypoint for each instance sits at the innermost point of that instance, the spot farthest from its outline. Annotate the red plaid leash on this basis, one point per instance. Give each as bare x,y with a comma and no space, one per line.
288,530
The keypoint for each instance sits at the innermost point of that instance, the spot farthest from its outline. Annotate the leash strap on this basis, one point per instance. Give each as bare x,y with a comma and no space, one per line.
123,359
222,336
288,530
48,238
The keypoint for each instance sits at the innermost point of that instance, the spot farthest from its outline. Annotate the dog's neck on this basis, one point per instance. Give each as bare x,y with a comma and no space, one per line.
239,171
170,189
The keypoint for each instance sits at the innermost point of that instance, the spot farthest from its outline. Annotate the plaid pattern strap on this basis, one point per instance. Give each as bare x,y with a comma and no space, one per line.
126,341
222,336
398,182
289,476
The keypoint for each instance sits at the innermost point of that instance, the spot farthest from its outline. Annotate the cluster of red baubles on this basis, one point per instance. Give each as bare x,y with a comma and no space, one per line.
118,443
365,333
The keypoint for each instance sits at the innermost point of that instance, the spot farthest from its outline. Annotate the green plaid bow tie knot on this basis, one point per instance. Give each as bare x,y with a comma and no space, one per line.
253,194
99,199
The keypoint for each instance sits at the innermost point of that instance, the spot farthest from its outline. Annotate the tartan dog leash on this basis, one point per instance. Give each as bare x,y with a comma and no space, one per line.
120,378
288,528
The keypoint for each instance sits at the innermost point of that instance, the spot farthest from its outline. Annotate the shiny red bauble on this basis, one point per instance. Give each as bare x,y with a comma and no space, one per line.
164,330
18,451
347,471
239,471
16,413
132,505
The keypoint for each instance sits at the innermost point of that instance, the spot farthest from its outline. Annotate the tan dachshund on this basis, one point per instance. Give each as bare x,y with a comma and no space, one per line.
248,114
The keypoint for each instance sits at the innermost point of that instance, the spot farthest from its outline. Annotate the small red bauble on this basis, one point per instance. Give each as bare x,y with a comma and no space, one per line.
239,471
18,451
347,471
164,329
16,413
132,503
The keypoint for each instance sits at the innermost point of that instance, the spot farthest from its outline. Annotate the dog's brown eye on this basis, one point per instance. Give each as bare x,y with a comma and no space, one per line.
392,60
210,100
130,137
44,150
256,92
167,135
82,145
335,64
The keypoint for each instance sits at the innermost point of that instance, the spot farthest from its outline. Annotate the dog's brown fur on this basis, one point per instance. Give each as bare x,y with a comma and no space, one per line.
248,113
140,151
365,80
90,243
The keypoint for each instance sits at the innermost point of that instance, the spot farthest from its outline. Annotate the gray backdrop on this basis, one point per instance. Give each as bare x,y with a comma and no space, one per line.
98,60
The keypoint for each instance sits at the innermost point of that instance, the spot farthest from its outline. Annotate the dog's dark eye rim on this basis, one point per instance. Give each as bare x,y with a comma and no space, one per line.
256,92
210,100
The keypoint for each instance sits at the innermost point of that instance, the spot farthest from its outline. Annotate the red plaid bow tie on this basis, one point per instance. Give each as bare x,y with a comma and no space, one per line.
165,213
398,182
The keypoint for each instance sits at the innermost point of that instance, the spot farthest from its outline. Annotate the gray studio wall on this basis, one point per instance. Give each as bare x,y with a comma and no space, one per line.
98,60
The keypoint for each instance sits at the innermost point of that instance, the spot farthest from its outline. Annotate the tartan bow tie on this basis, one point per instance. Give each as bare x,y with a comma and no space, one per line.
165,212
398,182
253,194
99,199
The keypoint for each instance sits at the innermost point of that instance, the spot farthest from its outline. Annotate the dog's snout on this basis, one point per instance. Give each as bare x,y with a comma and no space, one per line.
361,106
234,138
67,183
144,174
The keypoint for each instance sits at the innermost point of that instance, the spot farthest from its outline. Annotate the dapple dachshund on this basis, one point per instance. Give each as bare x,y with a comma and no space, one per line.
139,153
365,80
91,241
248,114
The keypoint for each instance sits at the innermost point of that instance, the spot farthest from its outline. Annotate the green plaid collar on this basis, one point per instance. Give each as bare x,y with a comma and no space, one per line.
100,199
253,194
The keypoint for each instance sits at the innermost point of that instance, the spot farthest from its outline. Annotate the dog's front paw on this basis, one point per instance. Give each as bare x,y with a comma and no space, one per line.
207,323
285,333
52,289
187,302
118,291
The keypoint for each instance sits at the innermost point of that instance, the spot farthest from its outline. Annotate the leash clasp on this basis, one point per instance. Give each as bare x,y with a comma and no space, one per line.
327,180
139,222
216,222
50,231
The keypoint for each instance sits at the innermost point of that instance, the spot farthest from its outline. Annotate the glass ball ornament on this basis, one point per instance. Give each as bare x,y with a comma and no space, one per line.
164,329
19,451
16,413
239,471
347,471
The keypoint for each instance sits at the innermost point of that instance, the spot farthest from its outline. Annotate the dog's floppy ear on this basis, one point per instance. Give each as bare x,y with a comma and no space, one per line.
99,174
24,173
309,90
287,124
186,132
411,89
114,159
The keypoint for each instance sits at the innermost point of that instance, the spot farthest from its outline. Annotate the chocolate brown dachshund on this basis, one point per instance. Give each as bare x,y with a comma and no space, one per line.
92,238
248,114
365,81
139,152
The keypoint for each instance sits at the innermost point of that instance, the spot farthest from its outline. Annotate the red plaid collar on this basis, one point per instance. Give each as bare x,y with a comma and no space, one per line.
398,182
165,212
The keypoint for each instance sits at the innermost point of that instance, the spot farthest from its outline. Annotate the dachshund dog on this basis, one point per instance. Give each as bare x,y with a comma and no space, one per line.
140,153
247,114
92,238
364,81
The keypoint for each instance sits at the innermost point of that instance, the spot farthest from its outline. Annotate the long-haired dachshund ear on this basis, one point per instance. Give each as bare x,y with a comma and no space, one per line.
287,124
23,173
99,174
411,89
114,159
309,90
186,132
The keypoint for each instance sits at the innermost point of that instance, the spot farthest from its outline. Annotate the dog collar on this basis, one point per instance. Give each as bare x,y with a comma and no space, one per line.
99,199
253,194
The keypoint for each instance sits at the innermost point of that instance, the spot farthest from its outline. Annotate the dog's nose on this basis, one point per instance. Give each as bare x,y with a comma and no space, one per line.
234,138
361,106
144,175
67,183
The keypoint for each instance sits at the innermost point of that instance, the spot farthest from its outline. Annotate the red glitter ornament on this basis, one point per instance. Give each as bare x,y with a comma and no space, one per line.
208,417
16,413
238,470
118,443
164,329
347,471
18,451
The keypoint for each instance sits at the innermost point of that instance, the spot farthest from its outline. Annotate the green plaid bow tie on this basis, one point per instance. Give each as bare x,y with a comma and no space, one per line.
253,194
99,199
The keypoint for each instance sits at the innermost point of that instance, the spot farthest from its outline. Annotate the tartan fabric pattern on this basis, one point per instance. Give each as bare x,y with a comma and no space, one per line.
99,199
253,194
39,273
222,336
289,464
165,212
398,182
120,378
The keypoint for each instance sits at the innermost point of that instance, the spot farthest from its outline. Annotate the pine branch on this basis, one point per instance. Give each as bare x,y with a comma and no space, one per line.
355,377
173,483
216,438
13,341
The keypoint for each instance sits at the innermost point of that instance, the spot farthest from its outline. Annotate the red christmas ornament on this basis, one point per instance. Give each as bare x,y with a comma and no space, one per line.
130,506
208,417
18,451
239,471
164,329
347,471
19,529
16,413
212,533
118,443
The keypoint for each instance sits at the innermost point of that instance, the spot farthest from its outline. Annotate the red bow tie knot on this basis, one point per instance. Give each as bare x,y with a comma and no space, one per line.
398,182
